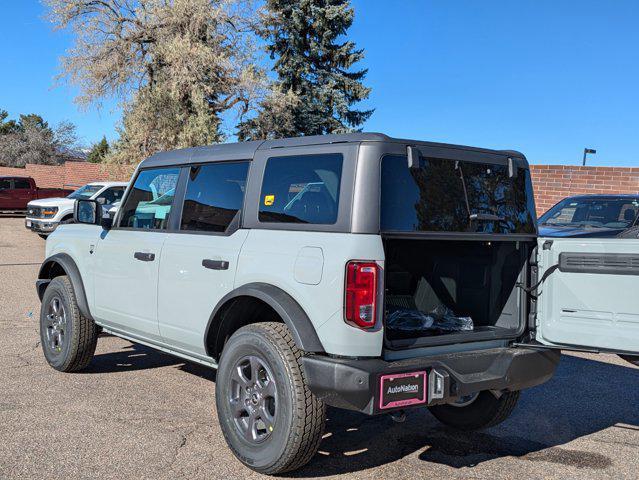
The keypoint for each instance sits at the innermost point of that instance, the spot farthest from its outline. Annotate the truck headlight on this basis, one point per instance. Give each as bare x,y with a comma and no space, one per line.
49,212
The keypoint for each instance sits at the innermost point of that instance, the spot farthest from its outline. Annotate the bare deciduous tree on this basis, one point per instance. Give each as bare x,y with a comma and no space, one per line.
32,140
177,66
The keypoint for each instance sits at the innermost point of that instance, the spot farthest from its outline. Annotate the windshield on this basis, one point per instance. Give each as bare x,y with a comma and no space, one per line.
86,192
445,195
592,213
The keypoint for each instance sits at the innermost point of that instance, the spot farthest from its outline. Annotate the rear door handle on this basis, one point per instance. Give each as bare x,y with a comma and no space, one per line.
215,264
144,256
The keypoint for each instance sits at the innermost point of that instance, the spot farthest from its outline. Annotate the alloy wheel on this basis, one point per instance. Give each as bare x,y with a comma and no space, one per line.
56,325
253,398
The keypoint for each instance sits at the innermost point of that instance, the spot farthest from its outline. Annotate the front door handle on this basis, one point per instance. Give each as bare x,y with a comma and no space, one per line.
144,256
215,264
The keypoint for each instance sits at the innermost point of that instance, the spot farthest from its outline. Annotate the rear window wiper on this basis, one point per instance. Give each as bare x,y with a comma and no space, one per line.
488,217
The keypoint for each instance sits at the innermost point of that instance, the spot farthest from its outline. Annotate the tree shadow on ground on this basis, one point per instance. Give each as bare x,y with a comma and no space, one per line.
584,397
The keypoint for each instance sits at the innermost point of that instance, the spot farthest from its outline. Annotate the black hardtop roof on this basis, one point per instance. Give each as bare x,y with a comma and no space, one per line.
246,150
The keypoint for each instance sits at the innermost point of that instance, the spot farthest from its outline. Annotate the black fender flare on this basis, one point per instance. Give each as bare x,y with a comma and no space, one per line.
71,270
284,305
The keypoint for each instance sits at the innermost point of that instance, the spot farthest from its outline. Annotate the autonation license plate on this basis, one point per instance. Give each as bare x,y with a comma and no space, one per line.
402,389
28,222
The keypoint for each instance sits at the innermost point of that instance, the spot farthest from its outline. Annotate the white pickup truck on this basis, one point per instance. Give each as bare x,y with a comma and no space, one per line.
43,216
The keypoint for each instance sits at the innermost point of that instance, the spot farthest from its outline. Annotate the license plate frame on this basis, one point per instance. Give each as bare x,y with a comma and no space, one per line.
403,389
28,223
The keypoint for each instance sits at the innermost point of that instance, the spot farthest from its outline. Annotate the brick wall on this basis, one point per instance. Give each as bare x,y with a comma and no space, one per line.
551,182
554,182
70,174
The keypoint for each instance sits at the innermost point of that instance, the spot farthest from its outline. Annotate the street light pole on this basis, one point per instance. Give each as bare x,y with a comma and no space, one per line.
586,152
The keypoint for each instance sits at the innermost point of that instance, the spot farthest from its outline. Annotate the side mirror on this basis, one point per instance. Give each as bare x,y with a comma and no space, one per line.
87,211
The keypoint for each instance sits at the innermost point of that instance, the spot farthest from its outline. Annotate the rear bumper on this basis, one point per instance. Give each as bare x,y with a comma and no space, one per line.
353,384
40,226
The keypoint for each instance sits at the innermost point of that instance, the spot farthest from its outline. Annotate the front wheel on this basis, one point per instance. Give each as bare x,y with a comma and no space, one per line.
269,417
476,412
68,338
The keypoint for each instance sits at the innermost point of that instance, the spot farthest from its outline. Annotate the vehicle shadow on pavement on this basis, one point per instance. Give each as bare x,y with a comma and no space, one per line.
132,357
583,398
139,357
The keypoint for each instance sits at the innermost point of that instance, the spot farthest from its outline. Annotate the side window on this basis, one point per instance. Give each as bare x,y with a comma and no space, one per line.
214,196
301,189
112,195
149,203
21,183
5,184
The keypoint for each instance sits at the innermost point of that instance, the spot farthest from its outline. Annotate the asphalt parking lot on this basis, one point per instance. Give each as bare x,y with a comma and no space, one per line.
137,413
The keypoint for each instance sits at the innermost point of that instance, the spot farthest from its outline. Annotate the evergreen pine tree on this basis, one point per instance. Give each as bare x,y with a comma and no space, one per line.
303,37
98,151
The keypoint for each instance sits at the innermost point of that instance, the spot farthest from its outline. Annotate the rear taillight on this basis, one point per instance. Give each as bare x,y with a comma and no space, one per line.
361,293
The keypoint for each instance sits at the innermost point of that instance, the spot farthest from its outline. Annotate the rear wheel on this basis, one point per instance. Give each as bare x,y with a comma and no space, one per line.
68,338
476,412
270,419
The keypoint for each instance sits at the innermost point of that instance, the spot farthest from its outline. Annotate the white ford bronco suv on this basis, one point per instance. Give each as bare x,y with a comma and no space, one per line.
358,271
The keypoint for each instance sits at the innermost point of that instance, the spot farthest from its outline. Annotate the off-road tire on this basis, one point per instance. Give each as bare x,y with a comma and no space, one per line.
486,411
81,333
300,416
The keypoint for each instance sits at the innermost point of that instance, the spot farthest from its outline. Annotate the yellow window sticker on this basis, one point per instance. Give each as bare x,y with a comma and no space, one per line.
269,200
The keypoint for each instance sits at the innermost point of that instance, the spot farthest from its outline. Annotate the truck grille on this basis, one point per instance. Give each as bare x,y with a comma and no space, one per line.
41,212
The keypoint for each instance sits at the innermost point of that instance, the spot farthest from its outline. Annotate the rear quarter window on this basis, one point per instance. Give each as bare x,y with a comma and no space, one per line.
301,189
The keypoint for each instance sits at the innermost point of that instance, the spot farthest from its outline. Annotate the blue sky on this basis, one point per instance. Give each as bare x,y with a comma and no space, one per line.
544,77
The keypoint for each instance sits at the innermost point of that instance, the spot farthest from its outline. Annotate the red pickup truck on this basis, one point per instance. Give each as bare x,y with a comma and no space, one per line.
16,192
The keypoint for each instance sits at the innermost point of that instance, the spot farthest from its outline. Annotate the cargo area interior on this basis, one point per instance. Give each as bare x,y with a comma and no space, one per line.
447,291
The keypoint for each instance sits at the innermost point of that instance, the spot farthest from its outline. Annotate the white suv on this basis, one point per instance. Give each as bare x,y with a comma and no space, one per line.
358,271
43,216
